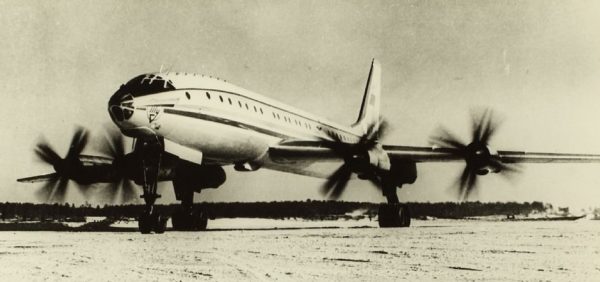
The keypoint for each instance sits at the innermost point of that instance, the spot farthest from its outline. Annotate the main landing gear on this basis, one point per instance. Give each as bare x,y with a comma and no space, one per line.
187,218
151,151
393,213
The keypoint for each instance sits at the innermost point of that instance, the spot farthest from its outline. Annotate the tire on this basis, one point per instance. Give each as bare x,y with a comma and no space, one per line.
404,216
145,224
179,221
394,215
196,221
160,223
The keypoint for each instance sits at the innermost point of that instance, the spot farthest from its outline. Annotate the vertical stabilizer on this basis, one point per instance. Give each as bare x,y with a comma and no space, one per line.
368,117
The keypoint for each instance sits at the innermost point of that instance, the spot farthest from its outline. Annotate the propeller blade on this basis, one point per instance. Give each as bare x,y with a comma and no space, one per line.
384,128
507,170
60,190
78,143
341,184
128,193
376,132
113,145
467,183
45,192
121,192
444,138
337,182
476,125
484,126
45,152
110,191
335,185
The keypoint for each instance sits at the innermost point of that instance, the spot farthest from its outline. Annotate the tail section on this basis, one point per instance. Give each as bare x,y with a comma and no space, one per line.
368,118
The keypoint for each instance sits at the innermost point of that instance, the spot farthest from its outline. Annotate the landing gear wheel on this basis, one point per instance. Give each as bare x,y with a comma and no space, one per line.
189,221
152,222
145,223
394,215
160,225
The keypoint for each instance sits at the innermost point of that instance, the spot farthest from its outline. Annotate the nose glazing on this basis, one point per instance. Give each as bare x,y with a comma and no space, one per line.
120,105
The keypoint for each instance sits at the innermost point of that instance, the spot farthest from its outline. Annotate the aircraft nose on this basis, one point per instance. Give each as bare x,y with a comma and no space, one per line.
120,105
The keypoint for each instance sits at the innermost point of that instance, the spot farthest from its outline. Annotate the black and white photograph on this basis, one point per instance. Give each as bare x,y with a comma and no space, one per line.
300,140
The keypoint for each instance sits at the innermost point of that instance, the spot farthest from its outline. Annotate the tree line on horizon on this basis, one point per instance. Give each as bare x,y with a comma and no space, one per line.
309,209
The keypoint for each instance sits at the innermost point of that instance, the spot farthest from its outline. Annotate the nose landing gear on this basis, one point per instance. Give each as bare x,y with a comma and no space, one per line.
151,152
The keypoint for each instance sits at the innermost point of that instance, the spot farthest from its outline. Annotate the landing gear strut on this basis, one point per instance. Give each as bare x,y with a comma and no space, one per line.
393,213
151,152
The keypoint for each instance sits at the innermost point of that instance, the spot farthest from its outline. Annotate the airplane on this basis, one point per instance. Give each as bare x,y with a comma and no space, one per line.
186,127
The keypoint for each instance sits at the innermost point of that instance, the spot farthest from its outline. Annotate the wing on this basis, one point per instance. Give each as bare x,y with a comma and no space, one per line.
433,154
39,178
531,157
96,163
307,152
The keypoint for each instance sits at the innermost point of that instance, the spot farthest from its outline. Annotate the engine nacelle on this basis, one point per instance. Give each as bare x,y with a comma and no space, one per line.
479,158
197,177
486,170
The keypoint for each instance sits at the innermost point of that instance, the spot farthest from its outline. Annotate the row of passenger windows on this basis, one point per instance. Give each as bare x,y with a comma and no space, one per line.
277,116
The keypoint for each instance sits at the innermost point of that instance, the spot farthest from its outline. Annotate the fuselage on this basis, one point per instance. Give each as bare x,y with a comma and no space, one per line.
226,123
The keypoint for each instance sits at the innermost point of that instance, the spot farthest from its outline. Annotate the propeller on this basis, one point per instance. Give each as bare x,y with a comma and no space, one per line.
479,158
66,168
122,188
356,158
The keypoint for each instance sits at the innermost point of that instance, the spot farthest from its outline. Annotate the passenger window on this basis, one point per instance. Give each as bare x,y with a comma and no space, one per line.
246,106
208,95
221,98
240,103
261,111
229,99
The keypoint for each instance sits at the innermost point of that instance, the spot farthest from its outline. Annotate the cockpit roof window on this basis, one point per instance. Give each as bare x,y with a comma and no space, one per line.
148,84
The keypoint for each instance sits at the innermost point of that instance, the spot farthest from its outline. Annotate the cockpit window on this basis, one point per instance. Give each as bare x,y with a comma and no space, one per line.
148,84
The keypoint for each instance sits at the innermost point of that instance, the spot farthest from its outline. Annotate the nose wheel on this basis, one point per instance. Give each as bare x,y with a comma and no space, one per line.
149,222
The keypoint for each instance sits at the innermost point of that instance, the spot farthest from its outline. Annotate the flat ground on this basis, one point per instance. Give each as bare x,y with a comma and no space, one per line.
444,250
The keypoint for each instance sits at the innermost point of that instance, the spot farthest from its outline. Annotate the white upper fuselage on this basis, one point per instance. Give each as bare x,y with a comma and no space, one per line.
227,123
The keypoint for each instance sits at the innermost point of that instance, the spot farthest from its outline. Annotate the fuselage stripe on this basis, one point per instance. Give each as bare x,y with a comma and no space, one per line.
227,122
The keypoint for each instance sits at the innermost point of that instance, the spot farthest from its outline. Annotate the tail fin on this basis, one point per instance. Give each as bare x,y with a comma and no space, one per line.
368,118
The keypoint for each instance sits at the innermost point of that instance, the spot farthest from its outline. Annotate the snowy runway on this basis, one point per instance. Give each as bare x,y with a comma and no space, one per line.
271,250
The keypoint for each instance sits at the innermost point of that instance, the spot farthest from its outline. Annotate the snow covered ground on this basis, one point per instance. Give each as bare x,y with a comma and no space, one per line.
271,250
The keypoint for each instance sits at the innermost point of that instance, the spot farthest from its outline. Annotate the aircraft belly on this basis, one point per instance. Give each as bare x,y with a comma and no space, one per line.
217,141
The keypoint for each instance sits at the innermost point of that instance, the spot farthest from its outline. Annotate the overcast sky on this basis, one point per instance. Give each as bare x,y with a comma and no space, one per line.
537,63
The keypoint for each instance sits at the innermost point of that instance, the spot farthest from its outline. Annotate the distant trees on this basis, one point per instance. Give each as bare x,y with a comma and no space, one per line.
309,209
